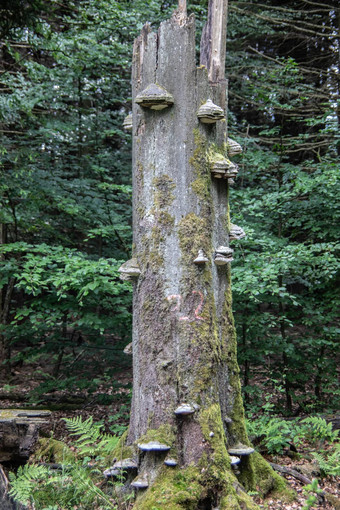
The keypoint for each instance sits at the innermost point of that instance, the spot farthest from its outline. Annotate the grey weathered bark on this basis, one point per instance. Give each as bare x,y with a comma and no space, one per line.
184,344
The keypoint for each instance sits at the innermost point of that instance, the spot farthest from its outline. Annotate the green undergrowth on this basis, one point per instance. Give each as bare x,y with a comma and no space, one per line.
68,476
277,434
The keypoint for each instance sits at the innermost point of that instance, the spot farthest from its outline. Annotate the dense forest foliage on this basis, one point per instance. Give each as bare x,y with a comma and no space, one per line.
65,192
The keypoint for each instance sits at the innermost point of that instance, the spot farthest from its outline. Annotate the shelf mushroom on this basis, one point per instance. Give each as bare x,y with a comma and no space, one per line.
240,449
221,167
233,148
119,467
234,460
129,270
128,349
231,171
209,113
236,233
201,259
154,97
141,482
223,255
184,410
170,462
153,446
128,122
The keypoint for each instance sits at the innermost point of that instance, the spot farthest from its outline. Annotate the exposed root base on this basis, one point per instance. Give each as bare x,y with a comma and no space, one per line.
197,488
191,489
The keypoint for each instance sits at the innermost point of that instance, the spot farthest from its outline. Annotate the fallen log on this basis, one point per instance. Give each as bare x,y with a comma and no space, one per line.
19,431
291,472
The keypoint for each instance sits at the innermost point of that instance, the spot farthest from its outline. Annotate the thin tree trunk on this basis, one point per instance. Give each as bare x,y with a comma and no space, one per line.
318,377
6,294
61,350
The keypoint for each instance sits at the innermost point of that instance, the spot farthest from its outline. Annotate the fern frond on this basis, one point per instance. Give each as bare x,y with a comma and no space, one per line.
329,465
91,440
88,431
315,427
25,480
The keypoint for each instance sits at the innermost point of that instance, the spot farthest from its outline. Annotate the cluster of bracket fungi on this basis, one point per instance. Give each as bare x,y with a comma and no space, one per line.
156,97
159,452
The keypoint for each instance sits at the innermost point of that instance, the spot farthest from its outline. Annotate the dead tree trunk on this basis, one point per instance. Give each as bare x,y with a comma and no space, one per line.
187,408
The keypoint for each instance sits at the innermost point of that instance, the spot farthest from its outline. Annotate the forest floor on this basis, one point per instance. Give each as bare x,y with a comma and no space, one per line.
114,414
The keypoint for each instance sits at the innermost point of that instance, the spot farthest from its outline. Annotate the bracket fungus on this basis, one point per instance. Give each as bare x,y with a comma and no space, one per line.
118,467
231,171
220,260
221,167
223,255
184,410
129,270
128,122
234,460
209,113
240,449
154,97
236,233
201,259
153,446
141,482
171,462
128,349
233,147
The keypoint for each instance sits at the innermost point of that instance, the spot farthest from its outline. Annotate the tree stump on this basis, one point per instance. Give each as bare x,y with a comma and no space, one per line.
186,408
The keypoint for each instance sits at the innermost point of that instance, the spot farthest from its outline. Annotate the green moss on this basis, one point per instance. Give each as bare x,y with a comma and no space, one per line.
193,234
201,185
261,477
178,489
211,421
151,256
51,450
174,489
237,501
164,219
140,174
165,434
164,186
